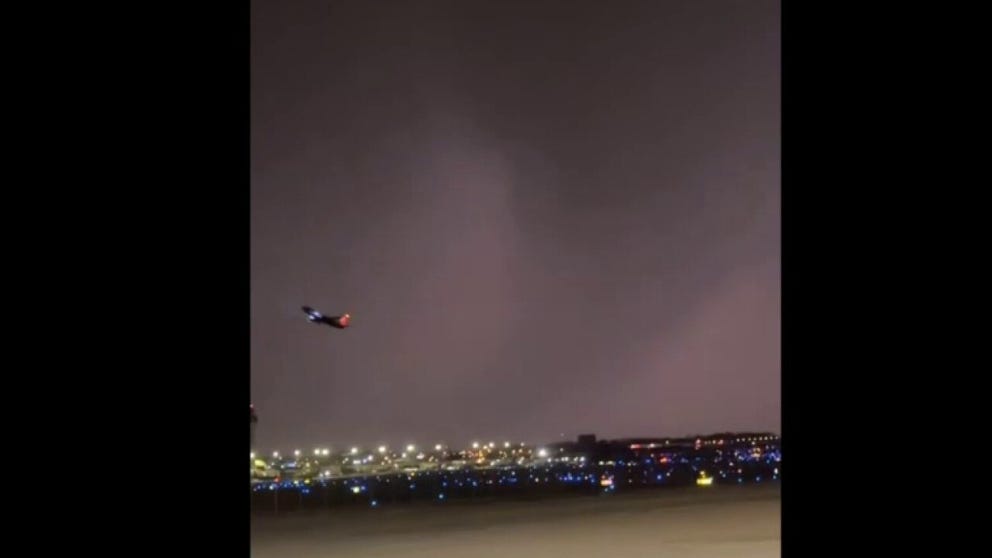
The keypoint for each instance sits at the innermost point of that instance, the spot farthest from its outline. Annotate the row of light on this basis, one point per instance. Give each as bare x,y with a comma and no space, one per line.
475,445
605,482
383,449
296,453
492,445
704,479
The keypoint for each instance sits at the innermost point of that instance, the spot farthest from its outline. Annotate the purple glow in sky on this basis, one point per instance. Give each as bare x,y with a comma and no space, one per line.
545,217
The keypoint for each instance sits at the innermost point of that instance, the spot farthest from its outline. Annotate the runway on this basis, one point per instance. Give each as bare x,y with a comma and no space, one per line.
716,521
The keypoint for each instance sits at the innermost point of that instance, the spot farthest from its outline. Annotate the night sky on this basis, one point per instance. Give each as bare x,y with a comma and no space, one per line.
545,217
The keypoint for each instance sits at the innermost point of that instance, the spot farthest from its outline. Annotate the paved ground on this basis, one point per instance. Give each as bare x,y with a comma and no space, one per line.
740,522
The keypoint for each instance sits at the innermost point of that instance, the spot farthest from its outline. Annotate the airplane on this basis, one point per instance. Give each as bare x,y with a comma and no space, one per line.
339,322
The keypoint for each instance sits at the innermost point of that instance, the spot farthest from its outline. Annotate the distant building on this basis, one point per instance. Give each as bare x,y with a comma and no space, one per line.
586,446
254,421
